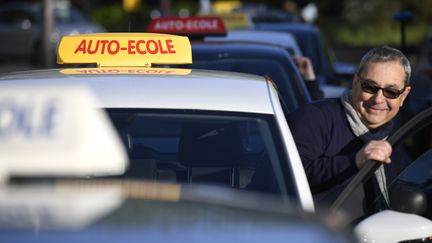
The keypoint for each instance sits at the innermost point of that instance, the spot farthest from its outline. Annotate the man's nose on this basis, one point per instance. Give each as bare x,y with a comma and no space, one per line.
379,97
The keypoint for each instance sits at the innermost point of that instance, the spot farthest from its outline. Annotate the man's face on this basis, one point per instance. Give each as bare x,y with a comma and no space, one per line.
375,109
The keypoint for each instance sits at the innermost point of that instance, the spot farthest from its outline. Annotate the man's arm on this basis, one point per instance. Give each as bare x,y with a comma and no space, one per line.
305,68
311,129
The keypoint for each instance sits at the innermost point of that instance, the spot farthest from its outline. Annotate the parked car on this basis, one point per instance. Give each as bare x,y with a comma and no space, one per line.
247,58
58,189
184,125
336,76
228,54
21,25
283,40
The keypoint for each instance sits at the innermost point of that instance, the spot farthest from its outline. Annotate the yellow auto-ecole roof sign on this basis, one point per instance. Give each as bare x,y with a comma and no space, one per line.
124,49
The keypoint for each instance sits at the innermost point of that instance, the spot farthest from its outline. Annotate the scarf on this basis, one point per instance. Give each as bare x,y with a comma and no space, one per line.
362,132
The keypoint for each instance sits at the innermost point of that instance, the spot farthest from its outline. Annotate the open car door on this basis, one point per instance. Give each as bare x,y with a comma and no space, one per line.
409,186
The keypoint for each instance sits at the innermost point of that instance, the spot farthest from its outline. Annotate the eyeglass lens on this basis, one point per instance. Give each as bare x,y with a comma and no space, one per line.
371,88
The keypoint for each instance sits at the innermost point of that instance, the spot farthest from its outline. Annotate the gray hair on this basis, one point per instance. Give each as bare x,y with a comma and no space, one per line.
385,54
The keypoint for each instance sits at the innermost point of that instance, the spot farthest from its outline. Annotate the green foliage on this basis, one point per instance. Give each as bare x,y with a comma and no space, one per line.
371,22
380,34
114,18
191,6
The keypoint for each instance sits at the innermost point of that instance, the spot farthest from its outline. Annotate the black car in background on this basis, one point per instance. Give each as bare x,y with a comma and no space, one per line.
248,58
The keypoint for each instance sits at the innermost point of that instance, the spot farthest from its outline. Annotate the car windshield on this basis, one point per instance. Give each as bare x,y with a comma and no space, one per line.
231,149
419,172
69,15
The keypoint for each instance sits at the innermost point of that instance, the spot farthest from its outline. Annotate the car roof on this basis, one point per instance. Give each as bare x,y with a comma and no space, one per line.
240,48
284,40
198,89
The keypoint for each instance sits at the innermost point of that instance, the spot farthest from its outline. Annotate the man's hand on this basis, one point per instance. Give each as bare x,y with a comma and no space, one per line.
374,150
305,67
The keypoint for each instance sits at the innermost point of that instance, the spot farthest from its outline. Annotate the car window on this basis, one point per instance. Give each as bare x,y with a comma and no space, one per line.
14,17
69,15
233,150
409,150
420,171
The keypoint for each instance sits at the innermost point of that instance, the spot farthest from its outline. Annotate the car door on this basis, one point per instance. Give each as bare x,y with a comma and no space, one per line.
409,181
409,176
410,142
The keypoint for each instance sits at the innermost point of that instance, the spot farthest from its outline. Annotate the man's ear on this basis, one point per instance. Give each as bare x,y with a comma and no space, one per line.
405,94
354,79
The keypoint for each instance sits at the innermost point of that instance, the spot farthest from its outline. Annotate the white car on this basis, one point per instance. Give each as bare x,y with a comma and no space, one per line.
191,125
57,150
197,126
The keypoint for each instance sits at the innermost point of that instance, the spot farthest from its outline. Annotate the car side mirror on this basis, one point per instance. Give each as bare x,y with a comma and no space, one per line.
392,226
407,198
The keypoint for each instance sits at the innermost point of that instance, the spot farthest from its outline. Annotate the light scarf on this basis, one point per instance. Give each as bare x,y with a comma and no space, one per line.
362,132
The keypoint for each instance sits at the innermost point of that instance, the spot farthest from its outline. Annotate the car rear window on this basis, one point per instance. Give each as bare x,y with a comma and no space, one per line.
234,150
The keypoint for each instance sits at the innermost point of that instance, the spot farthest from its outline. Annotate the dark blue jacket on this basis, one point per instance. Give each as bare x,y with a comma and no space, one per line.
327,147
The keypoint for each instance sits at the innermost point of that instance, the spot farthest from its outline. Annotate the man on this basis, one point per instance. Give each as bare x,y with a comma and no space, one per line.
336,137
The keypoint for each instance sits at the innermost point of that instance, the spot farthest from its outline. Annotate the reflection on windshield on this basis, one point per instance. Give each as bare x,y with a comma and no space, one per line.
69,15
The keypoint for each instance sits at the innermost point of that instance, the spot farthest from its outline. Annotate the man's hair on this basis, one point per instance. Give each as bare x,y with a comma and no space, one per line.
385,54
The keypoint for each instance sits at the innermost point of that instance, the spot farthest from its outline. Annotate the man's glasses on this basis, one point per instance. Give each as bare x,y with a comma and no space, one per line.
371,88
